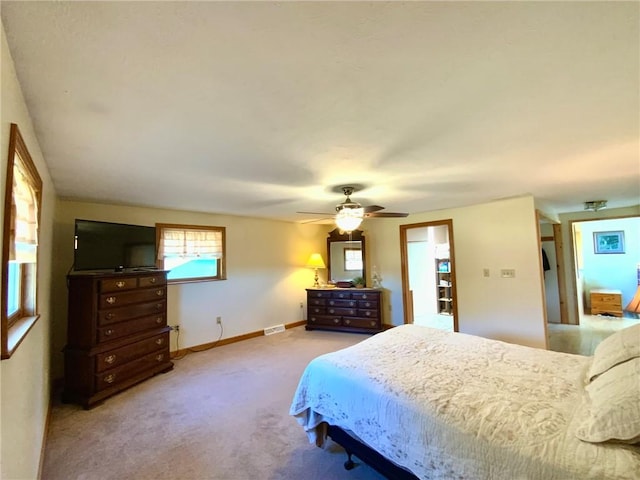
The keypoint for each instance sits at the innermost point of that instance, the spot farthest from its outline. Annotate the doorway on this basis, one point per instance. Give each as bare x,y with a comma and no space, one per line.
428,274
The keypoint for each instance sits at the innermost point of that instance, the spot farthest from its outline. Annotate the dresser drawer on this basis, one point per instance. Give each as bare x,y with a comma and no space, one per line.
370,296
361,322
342,303
341,295
316,310
111,300
316,301
115,315
367,313
370,304
341,311
116,375
318,294
606,300
324,320
122,355
118,284
123,329
152,281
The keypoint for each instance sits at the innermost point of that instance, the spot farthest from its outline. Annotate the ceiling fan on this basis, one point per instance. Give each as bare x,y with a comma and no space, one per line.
349,214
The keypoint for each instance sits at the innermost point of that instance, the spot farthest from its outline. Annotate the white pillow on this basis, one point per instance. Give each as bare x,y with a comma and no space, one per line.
613,407
616,348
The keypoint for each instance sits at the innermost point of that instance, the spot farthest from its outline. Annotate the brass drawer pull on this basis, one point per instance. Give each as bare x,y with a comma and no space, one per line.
110,316
336,320
159,320
120,284
364,296
160,357
108,332
111,300
110,378
347,321
110,359
159,292
373,324
159,306
331,310
153,280
159,341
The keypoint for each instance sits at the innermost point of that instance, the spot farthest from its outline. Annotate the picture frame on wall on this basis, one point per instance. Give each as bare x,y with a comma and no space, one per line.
608,242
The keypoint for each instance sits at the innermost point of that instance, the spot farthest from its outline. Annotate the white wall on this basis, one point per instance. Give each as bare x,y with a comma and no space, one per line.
24,378
266,273
497,235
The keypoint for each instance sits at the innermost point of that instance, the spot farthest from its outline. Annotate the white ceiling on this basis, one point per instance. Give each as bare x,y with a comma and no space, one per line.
261,109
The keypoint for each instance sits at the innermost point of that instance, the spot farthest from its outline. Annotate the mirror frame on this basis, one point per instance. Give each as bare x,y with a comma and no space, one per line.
337,236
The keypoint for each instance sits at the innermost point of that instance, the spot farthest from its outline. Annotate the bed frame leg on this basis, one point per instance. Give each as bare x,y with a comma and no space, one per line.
348,465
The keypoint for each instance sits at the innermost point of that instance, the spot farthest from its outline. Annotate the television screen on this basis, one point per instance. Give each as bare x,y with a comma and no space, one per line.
105,245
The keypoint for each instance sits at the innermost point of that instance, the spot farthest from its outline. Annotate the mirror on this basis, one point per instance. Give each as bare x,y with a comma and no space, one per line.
346,256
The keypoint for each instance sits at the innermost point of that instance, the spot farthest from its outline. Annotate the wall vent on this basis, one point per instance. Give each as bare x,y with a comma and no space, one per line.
274,329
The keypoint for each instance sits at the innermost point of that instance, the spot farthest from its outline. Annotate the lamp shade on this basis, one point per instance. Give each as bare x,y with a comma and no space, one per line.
348,219
315,261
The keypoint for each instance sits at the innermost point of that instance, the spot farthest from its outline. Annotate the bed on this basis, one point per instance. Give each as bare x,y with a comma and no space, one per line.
417,402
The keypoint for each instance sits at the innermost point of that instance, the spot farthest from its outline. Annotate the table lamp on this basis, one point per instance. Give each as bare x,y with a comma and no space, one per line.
315,261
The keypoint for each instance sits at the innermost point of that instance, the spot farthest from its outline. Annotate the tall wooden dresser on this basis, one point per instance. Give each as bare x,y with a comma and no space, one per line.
117,333
345,309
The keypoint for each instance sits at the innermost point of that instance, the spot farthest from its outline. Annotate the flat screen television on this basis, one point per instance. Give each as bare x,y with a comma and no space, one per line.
113,246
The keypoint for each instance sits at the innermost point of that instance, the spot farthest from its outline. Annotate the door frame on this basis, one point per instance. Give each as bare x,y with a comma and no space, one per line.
407,300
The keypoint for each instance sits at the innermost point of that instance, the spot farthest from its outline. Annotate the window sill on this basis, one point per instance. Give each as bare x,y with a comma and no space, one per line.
16,334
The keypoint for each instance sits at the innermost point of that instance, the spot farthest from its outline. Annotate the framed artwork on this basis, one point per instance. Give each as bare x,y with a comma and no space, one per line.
608,242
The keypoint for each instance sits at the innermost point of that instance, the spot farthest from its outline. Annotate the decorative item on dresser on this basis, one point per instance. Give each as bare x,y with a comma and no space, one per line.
344,309
117,333
608,302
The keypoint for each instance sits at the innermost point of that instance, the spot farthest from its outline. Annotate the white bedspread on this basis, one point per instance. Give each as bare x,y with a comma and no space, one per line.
454,406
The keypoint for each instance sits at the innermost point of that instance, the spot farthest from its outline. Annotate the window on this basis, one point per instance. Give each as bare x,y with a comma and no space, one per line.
19,245
191,253
352,259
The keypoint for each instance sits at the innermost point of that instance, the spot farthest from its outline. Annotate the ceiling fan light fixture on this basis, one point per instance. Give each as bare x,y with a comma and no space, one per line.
595,205
348,219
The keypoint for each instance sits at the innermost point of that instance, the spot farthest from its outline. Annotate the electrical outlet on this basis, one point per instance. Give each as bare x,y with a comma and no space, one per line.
219,320
175,328
301,305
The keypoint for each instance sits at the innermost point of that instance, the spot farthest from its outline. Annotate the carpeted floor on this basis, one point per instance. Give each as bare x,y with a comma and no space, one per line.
220,414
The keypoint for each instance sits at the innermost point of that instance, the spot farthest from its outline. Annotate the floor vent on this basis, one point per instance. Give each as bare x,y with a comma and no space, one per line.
274,329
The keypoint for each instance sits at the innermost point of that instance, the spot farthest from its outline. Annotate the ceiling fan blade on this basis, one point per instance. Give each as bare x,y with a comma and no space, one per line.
385,215
372,208
324,214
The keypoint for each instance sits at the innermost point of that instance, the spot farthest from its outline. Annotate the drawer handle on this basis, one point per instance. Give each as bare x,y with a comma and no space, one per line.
111,300
313,319
110,359
159,306
367,304
159,341
364,296
316,310
331,310
108,332
110,378
153,280
373,324
367,314
352,304
336,320
159,292
110,316
120,284
331,302
159,320
159,357
347,321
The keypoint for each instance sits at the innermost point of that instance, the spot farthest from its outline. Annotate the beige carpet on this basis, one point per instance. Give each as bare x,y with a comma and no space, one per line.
220,414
